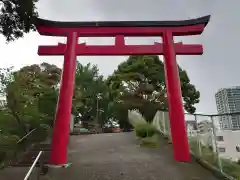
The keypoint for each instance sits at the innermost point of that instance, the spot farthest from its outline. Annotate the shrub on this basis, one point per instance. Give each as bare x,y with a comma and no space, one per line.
150,142
145,130
7,146
2,155
142,128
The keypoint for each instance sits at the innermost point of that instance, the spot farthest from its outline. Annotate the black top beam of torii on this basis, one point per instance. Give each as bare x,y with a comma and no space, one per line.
61,24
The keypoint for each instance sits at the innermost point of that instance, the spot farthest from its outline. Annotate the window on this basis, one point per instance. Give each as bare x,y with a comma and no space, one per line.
221,149
237,148
219,138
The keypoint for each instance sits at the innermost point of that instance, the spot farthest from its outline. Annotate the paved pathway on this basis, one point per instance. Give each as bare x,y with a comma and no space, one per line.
118,157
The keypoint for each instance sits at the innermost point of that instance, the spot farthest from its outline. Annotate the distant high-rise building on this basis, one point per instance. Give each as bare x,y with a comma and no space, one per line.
228,101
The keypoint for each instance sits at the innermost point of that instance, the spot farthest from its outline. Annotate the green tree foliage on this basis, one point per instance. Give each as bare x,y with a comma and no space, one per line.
17,17
31,94
90,92
141,83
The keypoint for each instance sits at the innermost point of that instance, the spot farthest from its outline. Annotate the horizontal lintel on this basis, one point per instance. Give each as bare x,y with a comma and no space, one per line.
114,50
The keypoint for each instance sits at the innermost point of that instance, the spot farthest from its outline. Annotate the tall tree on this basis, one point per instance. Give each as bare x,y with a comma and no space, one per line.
96,100
89,91
142,83
17,17
31,94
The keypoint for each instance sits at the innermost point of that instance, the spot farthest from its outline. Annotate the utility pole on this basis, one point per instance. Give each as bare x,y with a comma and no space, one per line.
97,110
98,97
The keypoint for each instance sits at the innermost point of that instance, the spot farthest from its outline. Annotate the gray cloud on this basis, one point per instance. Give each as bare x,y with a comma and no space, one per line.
217,68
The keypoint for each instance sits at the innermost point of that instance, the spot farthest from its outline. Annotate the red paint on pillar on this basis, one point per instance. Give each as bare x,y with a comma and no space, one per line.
59,146
176,112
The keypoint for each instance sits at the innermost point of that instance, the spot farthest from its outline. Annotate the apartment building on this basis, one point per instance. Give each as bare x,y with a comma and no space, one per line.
228,101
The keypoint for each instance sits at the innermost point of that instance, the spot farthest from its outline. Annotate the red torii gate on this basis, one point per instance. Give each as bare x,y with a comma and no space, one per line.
119,30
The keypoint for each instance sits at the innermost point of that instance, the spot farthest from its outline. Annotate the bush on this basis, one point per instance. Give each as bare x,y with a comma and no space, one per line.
7,146
145,130
2,155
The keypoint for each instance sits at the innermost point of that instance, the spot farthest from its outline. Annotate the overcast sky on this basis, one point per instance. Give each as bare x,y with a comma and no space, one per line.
217,68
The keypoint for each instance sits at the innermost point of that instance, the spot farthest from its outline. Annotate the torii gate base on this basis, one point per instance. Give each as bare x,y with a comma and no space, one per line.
119,30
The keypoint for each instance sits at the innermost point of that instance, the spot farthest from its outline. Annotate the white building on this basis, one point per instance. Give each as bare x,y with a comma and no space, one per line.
228,143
